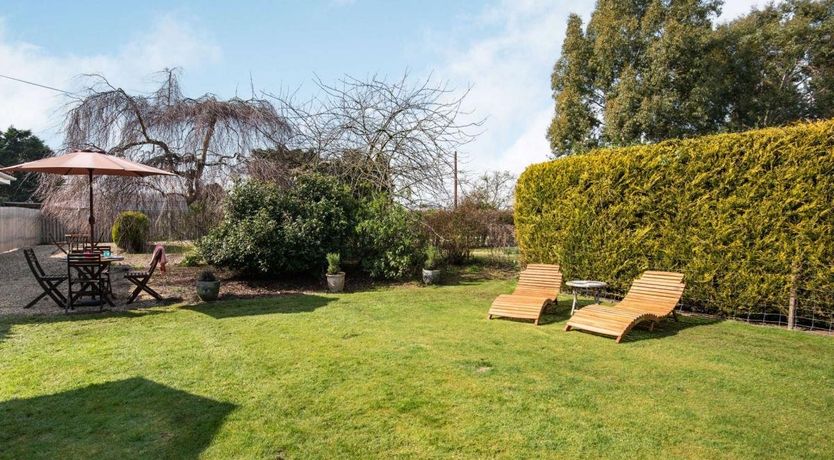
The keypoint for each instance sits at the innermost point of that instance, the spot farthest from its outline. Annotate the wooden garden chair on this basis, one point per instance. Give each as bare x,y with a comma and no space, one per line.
538,286
101,249
652,297
49,283
141,278
86,281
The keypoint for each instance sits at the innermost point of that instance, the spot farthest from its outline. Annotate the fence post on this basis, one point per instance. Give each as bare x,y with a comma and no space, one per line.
792,299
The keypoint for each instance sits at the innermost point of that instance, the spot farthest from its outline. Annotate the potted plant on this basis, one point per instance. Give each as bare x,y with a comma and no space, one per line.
208,286
335,277
431,268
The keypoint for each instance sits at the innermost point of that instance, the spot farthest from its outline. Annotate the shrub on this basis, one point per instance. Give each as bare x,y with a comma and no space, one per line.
334,261
456,232
130,231
738,214
192,258
388,239
270,230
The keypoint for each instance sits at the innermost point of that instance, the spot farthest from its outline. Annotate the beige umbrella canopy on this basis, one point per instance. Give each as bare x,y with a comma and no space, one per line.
84,163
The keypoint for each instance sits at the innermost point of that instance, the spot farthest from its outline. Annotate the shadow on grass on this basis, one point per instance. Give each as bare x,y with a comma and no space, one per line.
474,274
132,418
669,327
286,303
6,323
553,313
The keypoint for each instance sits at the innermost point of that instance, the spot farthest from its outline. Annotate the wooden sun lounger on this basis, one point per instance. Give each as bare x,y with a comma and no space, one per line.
537,286
652,297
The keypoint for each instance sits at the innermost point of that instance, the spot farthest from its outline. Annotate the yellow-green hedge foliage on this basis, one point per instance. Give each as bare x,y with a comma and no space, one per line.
734,212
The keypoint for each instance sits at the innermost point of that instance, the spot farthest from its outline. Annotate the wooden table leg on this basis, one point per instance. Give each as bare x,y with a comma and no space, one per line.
573,306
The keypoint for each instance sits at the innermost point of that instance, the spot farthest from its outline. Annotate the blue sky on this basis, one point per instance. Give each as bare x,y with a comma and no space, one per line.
503,50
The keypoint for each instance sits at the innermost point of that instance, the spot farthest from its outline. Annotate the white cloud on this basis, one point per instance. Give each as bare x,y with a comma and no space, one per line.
509,68
169,42
735,8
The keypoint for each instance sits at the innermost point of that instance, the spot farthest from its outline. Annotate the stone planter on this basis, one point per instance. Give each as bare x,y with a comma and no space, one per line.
208,290
336,283
431,276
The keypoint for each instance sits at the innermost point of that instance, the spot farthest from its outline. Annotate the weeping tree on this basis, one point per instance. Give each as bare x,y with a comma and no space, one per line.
396,136
204,140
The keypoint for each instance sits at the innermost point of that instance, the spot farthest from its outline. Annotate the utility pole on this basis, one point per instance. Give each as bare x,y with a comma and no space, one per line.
456,179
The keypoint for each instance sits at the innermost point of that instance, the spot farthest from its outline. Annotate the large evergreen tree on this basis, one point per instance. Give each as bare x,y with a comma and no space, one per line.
648,70
19,146
573,127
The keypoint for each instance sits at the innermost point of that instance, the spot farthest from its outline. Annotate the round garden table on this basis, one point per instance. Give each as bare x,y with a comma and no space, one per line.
585,285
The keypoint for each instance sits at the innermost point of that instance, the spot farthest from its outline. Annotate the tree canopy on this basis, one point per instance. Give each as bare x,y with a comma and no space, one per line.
649,70
19,146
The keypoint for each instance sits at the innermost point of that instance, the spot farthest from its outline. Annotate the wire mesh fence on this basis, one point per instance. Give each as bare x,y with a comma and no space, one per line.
814,311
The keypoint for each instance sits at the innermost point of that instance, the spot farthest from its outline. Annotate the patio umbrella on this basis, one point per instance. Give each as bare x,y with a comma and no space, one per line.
84,163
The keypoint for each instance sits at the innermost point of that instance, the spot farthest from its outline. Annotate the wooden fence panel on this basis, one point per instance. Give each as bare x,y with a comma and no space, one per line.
19,227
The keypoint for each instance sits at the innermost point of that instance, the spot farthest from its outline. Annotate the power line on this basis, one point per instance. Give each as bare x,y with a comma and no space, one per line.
38,84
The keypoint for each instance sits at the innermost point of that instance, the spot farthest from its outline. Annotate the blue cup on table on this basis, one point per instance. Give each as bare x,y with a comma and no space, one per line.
105,253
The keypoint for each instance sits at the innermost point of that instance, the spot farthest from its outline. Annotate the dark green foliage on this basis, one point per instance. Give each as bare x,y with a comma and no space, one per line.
130,231
388,239
647,70
19,146
739,214
207,276
272,230
782,61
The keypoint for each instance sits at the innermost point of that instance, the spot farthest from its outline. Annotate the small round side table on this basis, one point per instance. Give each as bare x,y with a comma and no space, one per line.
585,285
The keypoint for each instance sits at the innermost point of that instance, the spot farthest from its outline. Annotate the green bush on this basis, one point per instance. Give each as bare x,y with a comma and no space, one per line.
192,258
271,230
130,231
388,239
738,214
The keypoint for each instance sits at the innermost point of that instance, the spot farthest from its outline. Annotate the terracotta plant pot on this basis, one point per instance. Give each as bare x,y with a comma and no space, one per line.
431,276
208,290
336,283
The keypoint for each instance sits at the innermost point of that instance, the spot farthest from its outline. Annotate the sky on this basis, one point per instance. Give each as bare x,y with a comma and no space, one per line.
502,51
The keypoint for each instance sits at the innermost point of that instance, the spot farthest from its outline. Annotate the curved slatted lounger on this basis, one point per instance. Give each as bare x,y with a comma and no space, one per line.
652,297
537,286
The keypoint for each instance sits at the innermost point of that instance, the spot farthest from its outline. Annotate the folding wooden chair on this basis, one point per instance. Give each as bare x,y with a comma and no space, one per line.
48,283
140,279
76,242
101,249
85,279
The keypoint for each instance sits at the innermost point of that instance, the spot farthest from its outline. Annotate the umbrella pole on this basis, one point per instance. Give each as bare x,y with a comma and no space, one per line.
92,219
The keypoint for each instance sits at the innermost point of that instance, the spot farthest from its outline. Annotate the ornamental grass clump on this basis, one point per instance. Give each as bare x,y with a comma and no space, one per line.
334,261
434,258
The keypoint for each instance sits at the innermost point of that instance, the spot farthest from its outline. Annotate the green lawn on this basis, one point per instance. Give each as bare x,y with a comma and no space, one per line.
404,372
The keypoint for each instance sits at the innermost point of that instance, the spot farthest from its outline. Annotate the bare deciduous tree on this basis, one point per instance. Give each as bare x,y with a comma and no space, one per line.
204,140
397,136
494,189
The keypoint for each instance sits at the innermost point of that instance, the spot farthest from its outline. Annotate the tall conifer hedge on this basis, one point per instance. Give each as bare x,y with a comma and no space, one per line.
740,214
